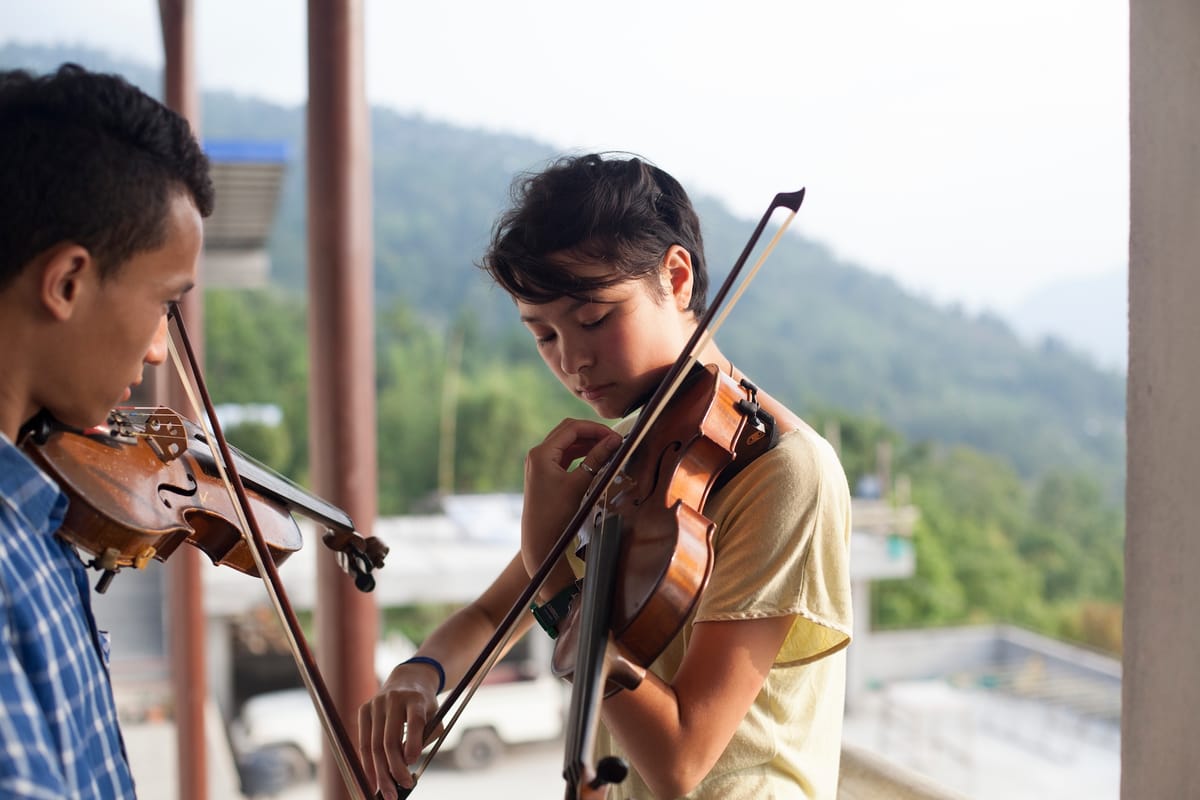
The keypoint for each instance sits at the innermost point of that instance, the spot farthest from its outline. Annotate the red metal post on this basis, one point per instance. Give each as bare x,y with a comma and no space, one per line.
341,320
184,588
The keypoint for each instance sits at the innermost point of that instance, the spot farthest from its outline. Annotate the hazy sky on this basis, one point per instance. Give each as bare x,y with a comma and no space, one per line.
972,150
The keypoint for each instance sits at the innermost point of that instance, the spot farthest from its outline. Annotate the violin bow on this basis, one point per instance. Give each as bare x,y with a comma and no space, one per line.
348,764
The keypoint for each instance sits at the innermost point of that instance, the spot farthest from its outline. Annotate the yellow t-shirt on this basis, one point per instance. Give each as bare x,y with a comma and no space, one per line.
781,547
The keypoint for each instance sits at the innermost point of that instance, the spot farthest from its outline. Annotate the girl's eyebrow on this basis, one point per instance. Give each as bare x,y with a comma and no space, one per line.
575,306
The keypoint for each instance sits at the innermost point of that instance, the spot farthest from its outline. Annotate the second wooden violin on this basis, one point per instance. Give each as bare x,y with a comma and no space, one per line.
712,426
147,482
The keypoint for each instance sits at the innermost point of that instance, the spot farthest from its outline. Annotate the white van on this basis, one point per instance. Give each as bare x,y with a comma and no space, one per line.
519,702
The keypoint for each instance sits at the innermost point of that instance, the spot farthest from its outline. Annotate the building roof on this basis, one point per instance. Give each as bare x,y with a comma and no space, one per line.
247,176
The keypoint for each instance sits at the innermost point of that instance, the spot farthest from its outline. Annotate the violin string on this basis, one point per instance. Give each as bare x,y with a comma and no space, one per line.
259,562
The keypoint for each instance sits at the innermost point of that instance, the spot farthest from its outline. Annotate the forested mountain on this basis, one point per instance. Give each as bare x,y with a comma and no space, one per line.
817,332
1013,455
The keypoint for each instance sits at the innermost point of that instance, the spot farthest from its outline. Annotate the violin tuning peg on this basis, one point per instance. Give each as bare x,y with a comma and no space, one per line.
376,551
105,579
610,769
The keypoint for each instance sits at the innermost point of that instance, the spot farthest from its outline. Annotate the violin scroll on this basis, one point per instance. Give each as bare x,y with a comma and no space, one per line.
358,557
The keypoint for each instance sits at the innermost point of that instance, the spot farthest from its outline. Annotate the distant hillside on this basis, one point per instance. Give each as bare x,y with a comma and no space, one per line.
1089,313
815,331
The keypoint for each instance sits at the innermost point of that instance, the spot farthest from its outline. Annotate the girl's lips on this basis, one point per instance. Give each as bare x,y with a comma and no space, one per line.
591,393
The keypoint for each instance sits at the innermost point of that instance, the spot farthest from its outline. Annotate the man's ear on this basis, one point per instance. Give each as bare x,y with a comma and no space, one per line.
677,266
62,270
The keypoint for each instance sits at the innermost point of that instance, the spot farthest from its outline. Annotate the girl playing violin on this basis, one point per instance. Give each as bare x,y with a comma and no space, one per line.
102,190
604,259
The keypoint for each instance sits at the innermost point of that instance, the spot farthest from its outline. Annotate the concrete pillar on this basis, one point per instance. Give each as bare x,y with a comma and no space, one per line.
1161,664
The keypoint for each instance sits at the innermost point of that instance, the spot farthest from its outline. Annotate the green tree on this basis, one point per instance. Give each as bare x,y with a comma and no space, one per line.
933,596
267,443
974,506
256,351
504,410
410,372
1076,539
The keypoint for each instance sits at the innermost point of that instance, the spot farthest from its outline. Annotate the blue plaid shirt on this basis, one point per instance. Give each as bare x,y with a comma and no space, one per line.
59,736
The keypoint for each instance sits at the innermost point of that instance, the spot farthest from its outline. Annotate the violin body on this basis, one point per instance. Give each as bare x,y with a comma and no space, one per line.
143,487
666,541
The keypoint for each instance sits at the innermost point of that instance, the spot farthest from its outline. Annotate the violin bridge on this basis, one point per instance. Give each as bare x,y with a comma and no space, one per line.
166,434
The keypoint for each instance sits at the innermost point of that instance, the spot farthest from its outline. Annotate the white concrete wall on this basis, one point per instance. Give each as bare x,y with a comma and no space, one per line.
1161,718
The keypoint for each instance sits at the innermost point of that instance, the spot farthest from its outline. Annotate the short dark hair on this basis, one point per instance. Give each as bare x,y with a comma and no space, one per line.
615,208
88,158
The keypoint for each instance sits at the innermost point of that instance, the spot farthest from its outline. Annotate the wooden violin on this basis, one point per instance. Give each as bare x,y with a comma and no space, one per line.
147,482
658,501
153,479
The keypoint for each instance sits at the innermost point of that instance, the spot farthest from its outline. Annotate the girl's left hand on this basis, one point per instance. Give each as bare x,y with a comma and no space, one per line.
553,491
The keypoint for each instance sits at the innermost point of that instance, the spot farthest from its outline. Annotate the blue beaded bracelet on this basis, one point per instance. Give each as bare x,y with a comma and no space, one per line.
433,662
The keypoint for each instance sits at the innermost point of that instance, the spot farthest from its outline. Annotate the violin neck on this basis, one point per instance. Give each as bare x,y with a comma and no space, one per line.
253,472
265,480
591,676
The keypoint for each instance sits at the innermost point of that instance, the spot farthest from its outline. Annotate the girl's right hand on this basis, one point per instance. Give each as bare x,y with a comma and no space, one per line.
553,490
392,723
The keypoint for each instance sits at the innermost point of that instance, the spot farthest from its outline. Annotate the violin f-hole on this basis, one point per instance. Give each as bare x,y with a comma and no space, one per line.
165,490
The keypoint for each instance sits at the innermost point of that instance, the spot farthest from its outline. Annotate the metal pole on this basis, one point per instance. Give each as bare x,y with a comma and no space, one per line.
184,587
341,321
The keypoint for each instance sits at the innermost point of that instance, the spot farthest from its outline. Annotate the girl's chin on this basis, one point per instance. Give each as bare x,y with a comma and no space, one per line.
607,411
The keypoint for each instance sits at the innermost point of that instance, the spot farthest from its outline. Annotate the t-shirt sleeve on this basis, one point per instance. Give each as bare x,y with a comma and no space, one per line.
782,546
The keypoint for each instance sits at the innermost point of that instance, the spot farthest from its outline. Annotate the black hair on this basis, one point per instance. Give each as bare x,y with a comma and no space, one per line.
90,159
613,208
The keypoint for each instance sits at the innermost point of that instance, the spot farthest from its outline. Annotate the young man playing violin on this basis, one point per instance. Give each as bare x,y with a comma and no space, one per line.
604,259
102,190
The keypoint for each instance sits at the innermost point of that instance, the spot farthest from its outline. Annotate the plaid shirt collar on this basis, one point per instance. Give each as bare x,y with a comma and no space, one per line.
29,491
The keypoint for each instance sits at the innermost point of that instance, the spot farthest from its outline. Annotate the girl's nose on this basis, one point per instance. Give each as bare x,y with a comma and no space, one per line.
157,353
575,356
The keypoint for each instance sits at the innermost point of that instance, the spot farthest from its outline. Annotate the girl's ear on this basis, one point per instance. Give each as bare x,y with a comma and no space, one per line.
678,275
62,269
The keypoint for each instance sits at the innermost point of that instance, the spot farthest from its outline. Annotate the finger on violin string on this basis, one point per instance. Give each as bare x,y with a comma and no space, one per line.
571,439
600,453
